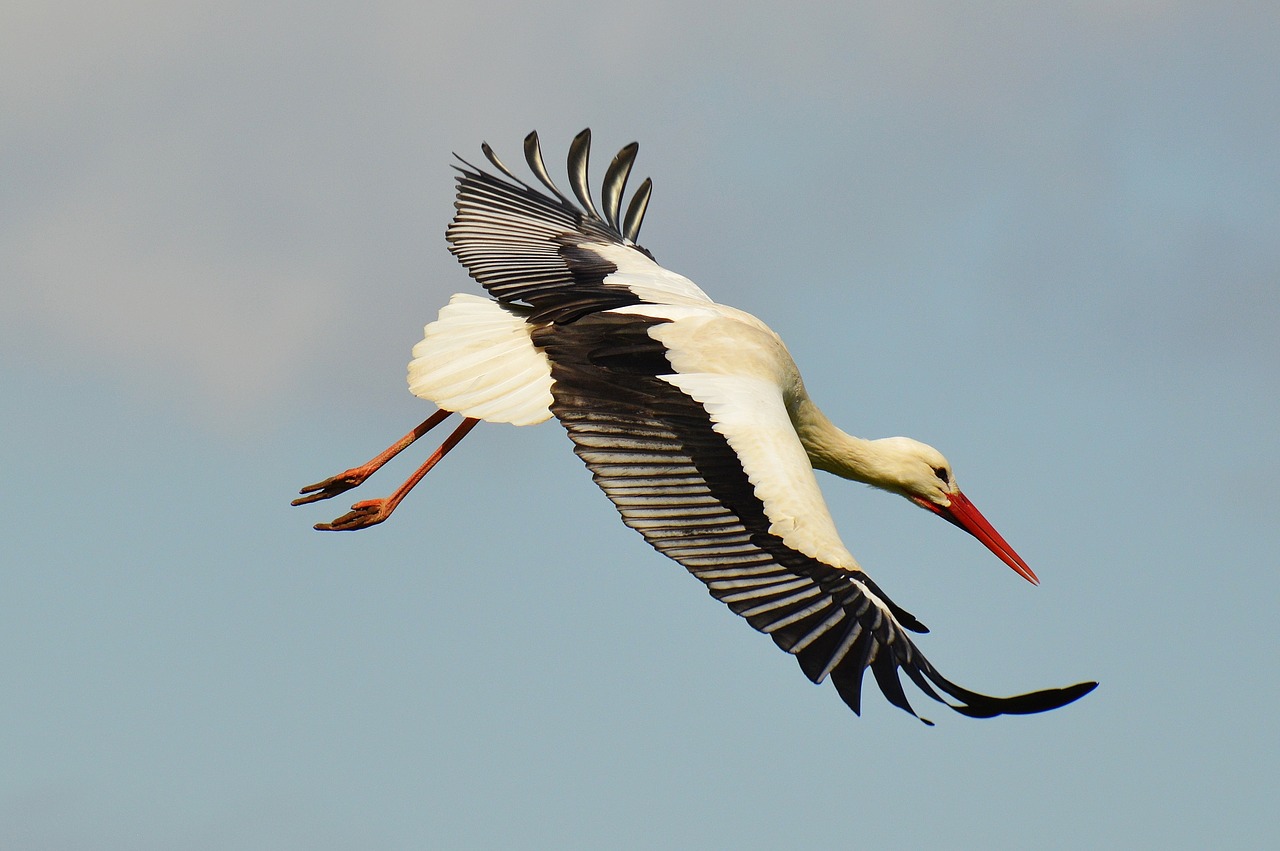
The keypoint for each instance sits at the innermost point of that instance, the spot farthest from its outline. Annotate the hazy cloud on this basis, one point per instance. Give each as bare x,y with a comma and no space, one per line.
198,188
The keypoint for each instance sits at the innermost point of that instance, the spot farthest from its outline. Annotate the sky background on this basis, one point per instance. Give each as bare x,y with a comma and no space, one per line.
1044,239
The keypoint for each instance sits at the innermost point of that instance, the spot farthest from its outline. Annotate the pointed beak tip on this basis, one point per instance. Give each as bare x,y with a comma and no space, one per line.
966,515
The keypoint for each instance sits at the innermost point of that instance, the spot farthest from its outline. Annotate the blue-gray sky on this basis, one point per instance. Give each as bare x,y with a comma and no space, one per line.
1042,239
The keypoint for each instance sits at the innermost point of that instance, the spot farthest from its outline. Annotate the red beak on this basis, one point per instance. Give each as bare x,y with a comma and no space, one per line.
966,515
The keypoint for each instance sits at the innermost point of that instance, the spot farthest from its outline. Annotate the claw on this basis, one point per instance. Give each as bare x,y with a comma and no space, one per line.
361,516
331,487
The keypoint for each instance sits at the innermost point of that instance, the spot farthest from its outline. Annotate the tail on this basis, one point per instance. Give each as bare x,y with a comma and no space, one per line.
478,360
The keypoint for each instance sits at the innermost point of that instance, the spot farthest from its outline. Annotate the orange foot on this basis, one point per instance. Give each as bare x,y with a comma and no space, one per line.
332,486
362,515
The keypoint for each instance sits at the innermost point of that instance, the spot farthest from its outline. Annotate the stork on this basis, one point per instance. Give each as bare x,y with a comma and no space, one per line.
691,416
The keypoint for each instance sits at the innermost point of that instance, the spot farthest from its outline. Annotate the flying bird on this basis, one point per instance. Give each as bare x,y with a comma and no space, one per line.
691,416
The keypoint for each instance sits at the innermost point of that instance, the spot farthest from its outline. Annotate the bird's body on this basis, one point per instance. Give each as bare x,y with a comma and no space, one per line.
691,415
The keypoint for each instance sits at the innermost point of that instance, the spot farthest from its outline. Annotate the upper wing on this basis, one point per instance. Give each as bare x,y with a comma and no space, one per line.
715,485
544,251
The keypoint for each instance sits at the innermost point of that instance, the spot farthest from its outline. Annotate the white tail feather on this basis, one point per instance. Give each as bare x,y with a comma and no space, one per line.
477,359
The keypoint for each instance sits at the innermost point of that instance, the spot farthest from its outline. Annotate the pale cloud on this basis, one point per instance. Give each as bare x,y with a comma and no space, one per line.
202,190
224,333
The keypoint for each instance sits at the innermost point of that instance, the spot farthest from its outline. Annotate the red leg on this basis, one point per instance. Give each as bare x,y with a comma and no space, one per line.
374,511
354,477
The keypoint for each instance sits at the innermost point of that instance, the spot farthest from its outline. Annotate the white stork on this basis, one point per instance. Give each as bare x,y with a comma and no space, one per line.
691,415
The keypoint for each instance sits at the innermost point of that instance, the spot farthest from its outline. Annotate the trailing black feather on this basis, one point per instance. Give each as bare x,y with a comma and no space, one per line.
579,161
615,183
533,156
636,210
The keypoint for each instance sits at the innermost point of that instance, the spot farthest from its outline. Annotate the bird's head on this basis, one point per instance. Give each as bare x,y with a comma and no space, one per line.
923,475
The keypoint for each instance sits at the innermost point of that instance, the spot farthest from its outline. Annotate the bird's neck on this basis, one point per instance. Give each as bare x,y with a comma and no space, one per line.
838,452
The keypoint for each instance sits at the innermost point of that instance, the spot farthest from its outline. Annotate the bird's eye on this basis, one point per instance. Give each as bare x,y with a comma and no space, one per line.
941,473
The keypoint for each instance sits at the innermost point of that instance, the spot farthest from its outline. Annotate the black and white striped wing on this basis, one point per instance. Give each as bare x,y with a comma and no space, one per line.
680,476
540,249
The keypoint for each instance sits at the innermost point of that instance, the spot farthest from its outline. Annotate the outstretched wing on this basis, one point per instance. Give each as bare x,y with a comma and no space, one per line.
720,485
715,491
544,251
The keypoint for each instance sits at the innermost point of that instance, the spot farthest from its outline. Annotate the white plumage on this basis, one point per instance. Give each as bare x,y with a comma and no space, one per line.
691,415
477,360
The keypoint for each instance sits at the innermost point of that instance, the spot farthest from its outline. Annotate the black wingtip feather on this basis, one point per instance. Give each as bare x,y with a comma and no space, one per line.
1043,701
977,705
579,163
615,183
907,620
636,210
885,670
533,156
497,163
849,687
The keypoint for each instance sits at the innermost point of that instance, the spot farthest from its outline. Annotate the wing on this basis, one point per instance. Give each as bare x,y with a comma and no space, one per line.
542,250
718,493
